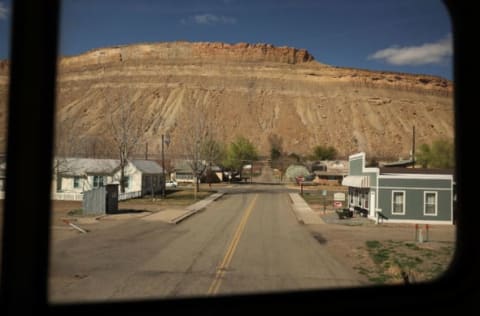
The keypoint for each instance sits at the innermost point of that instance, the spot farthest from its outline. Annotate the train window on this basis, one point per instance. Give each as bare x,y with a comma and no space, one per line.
250,96
229,155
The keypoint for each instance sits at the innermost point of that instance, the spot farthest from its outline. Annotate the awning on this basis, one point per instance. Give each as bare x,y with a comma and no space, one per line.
356,181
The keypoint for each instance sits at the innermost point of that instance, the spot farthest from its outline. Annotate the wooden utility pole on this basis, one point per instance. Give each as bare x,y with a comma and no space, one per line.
413,147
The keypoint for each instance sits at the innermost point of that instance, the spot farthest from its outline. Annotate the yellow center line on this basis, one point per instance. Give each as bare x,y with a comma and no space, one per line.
227,258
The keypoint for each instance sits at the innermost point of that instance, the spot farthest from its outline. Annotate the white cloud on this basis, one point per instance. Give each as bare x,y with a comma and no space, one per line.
209,19
428,53
3,11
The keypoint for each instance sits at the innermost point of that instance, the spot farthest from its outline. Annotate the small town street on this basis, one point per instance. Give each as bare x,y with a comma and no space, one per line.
247,241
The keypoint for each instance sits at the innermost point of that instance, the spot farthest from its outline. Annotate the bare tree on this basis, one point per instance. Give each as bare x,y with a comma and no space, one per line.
66,145
96,146
213,152
197,143
126,129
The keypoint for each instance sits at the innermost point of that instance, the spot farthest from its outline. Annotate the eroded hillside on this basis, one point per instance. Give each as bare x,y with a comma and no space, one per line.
251,90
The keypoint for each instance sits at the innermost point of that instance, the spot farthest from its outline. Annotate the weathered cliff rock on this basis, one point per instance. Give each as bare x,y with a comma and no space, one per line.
254,90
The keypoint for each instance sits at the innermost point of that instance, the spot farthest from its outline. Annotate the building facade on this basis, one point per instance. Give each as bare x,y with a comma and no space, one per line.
406,195
73,176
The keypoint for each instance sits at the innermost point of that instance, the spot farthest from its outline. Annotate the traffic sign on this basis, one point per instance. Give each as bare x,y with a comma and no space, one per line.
337,204
339,196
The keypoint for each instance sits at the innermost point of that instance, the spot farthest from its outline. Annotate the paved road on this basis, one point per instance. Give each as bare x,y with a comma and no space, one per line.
248,241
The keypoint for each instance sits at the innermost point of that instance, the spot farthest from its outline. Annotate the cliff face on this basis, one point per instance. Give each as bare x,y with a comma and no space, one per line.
256,91
190,52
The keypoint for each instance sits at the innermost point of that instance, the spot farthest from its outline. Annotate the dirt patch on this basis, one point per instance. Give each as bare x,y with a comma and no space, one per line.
64,209
387,253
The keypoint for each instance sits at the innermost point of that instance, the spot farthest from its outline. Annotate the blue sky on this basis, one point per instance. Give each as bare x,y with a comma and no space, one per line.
393,35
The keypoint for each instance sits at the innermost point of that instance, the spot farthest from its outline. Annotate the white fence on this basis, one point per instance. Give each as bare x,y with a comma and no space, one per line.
129,195
67,196
64,196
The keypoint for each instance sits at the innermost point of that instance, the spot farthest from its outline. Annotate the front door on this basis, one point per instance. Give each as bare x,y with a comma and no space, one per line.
372,204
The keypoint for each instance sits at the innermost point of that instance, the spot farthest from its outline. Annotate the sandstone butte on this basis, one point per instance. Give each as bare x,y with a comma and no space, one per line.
254,90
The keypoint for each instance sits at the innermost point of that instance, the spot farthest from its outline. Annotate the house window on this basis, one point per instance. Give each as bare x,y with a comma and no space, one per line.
398,202
76,182
126,182
97,181
430,203
154,181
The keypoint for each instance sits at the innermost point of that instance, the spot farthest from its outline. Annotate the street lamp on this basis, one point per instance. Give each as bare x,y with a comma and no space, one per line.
165,140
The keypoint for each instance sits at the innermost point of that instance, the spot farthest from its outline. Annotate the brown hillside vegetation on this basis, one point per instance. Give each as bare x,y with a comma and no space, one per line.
254,90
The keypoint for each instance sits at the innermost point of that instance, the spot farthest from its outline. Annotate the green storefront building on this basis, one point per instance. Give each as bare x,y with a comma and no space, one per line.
407,195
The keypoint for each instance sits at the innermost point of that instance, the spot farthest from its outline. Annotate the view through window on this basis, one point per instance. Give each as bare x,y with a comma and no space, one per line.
226,147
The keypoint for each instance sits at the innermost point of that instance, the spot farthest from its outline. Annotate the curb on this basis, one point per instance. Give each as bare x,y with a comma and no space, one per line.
295,211
303,212
196,207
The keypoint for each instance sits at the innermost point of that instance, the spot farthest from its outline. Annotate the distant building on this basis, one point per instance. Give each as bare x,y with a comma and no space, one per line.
330,171
183,172
400,194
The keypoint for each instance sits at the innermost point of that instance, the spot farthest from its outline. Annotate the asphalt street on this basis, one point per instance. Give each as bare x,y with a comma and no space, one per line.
248,241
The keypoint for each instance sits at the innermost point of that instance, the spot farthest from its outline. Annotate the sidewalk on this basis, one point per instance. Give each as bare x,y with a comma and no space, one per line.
174,216
303,212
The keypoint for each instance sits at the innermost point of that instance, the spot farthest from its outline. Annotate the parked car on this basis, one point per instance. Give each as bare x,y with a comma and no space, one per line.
171,184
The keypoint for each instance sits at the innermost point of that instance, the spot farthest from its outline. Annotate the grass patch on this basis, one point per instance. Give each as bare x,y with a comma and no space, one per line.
372,244
380,256
412,246
389,260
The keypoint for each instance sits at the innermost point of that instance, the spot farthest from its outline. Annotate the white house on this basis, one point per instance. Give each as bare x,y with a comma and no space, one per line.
73,176
142,175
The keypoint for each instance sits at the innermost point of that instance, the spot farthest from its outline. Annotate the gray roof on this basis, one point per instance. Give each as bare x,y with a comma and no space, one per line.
148,166
82,166
399,163
391,170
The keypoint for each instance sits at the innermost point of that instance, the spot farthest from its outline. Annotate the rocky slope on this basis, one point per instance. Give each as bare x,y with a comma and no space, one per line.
251,90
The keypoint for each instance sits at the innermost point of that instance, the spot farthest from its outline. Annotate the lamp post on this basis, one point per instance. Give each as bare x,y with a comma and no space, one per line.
165,140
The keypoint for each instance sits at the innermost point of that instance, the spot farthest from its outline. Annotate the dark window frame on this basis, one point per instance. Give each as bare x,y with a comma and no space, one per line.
76,182
26,234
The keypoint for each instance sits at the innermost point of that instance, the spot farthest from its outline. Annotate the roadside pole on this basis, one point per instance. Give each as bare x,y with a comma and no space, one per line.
324,193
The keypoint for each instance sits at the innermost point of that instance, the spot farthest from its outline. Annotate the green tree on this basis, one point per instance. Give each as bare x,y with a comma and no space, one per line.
440,154
240,151
324,152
